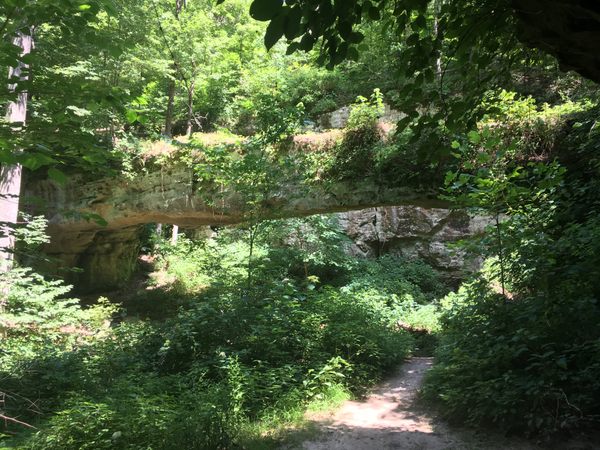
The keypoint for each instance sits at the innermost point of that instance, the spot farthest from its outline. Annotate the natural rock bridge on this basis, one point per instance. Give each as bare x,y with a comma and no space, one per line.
107,252
171,193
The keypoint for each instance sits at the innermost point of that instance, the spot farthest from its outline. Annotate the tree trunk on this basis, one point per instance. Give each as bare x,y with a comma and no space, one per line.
190,106
436,29
175,234
253,230
10,175
179,5
169,116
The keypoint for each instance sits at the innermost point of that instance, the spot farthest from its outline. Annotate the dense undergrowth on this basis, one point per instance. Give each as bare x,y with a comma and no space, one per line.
250,343
520,345
243,331
517,128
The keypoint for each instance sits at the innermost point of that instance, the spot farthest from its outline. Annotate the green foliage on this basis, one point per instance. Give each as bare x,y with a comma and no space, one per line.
445,58
354,156
34,308
35,320
309,247
397,276
58,121
525,365
365,112
519,346
268,317
32,305
232,356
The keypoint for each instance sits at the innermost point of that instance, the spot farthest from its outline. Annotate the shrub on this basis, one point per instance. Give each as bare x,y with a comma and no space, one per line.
519,347
521,364
354,156
234,352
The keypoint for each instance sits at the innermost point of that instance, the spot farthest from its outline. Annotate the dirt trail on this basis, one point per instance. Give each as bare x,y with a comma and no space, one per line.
389,419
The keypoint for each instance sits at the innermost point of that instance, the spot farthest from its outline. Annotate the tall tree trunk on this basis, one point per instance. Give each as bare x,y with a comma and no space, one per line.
179,5
190,107
436,29
10,175
174,234
169,115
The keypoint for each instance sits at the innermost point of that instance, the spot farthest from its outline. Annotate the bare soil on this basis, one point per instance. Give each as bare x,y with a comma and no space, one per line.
391,418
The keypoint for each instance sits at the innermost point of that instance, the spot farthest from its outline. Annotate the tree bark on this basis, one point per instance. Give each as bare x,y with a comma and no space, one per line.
10,175
179,5
174,234
169,115
436,29
190,106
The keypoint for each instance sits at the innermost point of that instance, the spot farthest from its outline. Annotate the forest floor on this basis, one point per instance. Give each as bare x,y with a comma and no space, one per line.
391,417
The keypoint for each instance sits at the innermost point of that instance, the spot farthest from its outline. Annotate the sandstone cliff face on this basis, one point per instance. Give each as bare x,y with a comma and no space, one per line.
172,195
415,233
107,252
108,257
338,119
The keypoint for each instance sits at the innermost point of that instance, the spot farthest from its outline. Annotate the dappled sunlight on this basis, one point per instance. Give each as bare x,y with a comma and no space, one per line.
391,418
274,214
391,406
381,413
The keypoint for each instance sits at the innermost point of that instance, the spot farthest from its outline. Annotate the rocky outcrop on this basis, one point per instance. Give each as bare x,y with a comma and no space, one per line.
339,118
94,225
415,233
172,195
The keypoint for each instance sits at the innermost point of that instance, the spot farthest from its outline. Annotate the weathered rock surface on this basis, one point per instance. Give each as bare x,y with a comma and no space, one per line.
173,196
339,118
106,253
415,233
418,228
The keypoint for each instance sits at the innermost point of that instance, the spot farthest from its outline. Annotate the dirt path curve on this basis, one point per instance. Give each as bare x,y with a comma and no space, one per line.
389,419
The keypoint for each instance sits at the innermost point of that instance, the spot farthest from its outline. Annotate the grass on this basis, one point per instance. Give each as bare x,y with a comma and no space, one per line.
290,424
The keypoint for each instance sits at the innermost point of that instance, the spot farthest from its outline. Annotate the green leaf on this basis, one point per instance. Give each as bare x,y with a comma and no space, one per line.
374,13
356,37
306,43
131,115
403,123
345,29
474,137
34,161
292,23
483,157
293,47
450,177
274,31
57,175
265,9
412,40
352,54
6,157
97,218
420,22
